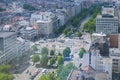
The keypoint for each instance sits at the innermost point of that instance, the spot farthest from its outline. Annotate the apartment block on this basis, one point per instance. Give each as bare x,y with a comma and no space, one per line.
107,22
48,24
8,47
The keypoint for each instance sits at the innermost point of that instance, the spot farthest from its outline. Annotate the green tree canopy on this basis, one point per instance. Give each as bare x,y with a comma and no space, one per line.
1,9
44,50
52,52
52,61
5,68
60,60
81,53
28,7
35,58
50,76
63,71
67,31
66,52
34,48
44,60
4,76
44,77
79,34
4,72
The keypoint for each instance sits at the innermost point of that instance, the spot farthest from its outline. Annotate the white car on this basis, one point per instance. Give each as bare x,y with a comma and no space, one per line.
44,70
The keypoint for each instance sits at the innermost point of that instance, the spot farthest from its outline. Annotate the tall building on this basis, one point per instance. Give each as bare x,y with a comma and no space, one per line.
107,22
47,24
98,56
29,33
22,46
8,49
115,55
117,11
35,17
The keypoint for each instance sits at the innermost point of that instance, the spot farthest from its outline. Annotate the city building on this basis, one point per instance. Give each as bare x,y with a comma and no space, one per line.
47,24
62,16
115,55
87,73
117,11
107,22
23,23
35,17
7,28
22,46
8,47
29,33
98,55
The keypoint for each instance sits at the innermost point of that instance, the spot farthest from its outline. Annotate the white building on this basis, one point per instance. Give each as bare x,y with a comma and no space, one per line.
107,22
98,56
8,47
22,46
7,27
29,33
115,55
78,8
62,16
24,23
35,17
47,24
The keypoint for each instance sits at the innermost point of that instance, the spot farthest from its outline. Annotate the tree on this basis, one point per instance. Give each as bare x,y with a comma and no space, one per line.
52,52
1,9
44,50
5,68
44,77
35,58
67,31
34,48
60,60
4,72
66,52
51,76
63,71
28,7
79,34
52,61
82,51
5,76
44,60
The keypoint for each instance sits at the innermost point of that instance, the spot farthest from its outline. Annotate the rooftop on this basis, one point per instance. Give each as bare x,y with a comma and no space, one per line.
6,34
107,16
78,74
108,10
98,34
114,52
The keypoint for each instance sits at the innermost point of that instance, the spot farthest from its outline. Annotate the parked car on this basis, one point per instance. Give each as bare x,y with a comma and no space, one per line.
32,77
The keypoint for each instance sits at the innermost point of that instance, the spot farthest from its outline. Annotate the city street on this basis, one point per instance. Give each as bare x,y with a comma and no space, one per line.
31,71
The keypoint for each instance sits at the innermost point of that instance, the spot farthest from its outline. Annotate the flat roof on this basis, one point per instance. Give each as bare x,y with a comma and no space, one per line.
6,34
43,21
98,34
100,16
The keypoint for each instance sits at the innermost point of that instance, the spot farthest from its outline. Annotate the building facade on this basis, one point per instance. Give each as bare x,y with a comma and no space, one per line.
107,22
22,46
8,47
48,24
29,33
